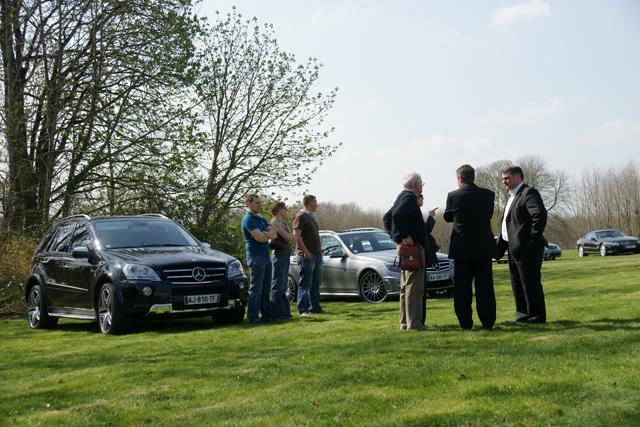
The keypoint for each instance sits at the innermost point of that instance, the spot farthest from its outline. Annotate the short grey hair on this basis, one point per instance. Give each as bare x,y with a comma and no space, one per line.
411,179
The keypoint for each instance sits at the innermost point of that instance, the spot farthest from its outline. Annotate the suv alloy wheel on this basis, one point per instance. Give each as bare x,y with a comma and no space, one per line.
111,317
37,313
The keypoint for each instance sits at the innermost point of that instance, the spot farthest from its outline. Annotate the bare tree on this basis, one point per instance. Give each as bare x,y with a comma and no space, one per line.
553,185
608,198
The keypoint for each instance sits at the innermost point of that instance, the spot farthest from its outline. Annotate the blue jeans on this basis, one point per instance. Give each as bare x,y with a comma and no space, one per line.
280,262
309,286
259,283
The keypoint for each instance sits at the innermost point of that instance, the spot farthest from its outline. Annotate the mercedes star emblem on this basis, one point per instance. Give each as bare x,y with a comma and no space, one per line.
199,274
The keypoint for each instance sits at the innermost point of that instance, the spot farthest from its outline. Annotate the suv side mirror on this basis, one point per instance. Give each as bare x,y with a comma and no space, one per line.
81,252
338,253
205,245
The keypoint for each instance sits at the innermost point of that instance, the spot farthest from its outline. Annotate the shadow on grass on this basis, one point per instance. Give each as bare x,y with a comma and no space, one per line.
559,325
553,326
183,325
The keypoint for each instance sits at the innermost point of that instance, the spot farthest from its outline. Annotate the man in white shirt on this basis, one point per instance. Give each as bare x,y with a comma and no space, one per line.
523,223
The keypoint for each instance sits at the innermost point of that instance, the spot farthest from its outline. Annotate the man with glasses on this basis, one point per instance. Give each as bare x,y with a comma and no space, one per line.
257,233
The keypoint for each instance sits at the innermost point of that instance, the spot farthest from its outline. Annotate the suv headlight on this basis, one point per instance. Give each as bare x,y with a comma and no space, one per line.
392,266
235,269
140,272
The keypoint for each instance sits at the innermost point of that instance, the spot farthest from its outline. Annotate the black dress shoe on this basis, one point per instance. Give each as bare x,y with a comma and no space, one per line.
532,320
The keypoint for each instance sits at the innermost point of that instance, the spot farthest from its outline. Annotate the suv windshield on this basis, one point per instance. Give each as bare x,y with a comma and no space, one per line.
139,233
370,241
609,233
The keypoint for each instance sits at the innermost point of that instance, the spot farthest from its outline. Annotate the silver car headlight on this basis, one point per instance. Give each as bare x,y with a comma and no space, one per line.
391,266
235,269
140,272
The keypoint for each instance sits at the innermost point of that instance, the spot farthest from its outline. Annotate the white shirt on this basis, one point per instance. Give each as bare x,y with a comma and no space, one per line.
505,235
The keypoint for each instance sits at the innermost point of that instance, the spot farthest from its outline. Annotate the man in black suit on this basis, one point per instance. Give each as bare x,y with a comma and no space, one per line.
472,246
523,223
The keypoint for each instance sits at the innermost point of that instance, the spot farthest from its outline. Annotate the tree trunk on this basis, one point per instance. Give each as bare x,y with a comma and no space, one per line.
21,203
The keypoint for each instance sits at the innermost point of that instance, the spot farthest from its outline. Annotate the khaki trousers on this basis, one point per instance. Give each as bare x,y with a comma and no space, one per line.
411,294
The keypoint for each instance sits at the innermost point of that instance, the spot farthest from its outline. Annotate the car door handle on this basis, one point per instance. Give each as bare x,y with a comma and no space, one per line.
65,265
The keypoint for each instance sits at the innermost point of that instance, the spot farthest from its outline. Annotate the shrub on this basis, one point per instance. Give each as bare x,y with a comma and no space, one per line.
15,266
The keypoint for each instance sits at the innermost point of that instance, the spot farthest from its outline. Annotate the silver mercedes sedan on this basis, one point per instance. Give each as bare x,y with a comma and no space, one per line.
363,262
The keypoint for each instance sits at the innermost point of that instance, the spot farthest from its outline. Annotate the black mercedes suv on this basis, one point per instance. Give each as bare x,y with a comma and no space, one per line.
117,269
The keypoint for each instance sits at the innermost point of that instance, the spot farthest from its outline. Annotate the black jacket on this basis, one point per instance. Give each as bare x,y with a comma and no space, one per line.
405,219
470,208
526,221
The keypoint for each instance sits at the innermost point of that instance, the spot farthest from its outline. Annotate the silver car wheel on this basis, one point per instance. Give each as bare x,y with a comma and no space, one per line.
372,288
104,310
292,290
580,251
33,313
603,250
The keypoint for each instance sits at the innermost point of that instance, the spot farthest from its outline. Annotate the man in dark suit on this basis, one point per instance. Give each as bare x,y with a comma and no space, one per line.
472,246
523,223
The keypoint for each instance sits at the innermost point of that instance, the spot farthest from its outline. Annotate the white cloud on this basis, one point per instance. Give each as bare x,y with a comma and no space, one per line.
332,14
616,133
527,117
445,143
459,39
511,14
370,102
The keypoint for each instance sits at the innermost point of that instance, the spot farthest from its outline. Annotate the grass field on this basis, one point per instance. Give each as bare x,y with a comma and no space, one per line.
352,366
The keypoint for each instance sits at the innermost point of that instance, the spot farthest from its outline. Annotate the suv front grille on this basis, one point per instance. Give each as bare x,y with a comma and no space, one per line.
442,265
186,275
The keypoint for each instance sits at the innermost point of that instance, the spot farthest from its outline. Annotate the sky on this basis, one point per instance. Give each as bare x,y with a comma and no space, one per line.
428,86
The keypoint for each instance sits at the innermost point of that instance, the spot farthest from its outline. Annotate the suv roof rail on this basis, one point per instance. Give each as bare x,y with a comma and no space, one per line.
361,229
84,216
156,215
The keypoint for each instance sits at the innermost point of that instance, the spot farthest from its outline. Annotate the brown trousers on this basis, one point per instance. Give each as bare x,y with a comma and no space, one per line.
411,299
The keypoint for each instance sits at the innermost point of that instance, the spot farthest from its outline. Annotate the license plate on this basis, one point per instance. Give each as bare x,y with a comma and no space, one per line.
201,299
434,277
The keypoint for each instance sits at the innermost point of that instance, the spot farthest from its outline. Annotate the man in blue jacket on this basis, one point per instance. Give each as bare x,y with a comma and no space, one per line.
407,227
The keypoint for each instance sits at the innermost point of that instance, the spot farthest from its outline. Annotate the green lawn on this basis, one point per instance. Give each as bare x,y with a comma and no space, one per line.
350,367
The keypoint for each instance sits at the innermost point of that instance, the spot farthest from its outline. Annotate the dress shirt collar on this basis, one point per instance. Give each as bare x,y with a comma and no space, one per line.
513,192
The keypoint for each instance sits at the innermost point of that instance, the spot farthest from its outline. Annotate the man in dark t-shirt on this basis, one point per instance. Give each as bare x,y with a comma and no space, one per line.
309,252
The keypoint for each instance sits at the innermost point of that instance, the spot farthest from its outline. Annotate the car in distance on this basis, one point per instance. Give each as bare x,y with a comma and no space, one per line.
551,251
607,242
115,269
362,262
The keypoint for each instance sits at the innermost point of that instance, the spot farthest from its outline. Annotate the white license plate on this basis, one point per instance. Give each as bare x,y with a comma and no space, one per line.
434,277
201,299
630,246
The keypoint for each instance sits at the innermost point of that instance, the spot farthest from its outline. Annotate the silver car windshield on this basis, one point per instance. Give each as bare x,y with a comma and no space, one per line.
137,233
368,242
